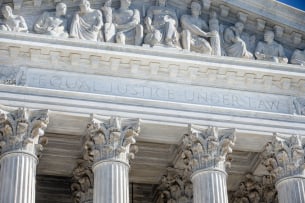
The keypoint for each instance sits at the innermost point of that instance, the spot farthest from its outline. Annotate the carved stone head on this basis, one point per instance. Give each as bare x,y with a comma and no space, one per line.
161,2
7,11
239,26
269,36
125,3
84,6
61,9
196,8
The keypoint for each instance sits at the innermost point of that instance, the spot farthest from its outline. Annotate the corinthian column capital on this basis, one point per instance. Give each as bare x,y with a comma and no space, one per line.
113,139
208,147
284,156
22,129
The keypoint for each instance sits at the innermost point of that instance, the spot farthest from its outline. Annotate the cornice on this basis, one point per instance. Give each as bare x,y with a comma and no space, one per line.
30,50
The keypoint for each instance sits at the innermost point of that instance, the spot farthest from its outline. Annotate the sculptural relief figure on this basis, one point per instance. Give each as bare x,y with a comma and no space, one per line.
269,50
298,57
127,24
109,27
215,40
12,22
194,31
161,26
86,23
234,45
53,23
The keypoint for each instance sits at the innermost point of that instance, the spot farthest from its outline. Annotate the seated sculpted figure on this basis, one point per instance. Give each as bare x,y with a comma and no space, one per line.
53,23
161,25
298,57
12,22
127,24
233,44
86,23
193,31
269,50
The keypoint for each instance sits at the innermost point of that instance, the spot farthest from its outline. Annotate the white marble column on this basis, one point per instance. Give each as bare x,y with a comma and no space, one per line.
112,143
112,180
291,189
210,186
17,178
284,157
207,151
19,141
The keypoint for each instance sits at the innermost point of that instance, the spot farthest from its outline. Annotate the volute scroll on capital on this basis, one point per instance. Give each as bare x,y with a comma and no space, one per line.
22,130
113,139
208,148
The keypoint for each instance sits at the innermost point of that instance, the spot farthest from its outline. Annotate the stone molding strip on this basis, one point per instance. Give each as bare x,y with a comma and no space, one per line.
19,49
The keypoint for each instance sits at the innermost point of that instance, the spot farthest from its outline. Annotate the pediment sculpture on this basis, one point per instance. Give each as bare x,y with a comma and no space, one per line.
193,34
11,22
270,50
159,25
127,24
53,23
86,23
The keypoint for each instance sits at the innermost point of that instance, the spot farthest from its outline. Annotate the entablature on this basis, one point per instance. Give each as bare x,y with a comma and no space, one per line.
43,52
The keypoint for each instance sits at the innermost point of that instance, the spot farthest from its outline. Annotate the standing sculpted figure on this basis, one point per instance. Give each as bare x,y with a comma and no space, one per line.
12,22
161,25
194,31
127,24
234,45
109,27
86,23
215,40
53,23
298,57
269,50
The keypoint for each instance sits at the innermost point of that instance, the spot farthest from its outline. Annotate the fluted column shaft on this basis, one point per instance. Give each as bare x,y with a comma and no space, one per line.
111,183
210,186
17,177
291,189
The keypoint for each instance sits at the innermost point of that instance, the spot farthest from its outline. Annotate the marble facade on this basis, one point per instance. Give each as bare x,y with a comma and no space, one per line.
161,101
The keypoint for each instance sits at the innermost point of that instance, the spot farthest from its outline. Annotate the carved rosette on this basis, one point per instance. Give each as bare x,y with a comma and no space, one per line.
113,139
175,187
82,182
208,148
256,189
284,156
22,130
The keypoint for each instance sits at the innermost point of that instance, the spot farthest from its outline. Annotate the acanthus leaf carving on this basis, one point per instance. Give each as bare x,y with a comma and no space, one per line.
284,156
208,148
22,129
175,187
82,182
112,139
255,189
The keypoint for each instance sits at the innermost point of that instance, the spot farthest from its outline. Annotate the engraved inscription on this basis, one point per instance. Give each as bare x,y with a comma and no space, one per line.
158,91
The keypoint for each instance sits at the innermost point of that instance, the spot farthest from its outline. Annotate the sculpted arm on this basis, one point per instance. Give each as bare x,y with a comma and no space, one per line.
282,55
187,25
22,26
99,21
148,20
132,24
259,51
39,24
